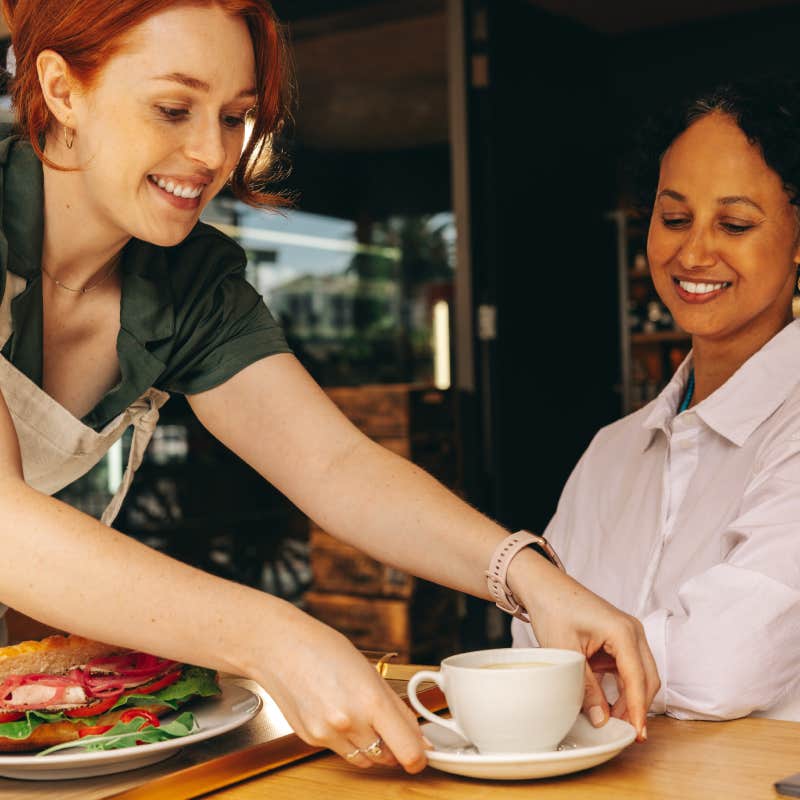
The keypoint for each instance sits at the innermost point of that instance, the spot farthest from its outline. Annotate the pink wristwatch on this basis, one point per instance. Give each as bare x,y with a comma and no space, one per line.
498,567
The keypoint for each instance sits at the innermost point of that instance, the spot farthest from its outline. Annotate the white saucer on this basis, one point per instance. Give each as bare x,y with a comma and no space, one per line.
214,715
584,746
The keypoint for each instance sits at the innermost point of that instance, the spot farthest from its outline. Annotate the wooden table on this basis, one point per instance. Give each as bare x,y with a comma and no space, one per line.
737,760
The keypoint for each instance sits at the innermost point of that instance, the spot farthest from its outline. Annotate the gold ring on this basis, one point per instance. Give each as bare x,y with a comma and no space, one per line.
374,750
354,754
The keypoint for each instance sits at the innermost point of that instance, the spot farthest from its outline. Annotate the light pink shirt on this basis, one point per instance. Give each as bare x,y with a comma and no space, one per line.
692,524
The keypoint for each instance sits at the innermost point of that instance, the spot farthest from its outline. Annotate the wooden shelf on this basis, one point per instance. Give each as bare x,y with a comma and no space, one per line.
660,336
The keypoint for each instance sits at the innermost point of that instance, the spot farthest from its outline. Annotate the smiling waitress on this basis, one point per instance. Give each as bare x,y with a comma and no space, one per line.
131,118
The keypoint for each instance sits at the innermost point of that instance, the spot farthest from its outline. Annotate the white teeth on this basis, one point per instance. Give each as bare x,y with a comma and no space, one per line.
178,189
701,288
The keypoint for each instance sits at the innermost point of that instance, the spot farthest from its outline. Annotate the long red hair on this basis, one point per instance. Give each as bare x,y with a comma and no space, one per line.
87,33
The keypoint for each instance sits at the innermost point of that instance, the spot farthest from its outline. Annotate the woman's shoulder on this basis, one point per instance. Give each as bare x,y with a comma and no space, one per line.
782,427
202,273
208,245
196,265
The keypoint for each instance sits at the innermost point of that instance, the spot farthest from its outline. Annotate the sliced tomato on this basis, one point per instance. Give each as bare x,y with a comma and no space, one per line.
93,730
156,685
11,716
148,717
95,708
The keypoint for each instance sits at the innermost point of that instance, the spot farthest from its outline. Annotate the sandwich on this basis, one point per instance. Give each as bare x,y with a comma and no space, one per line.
64,688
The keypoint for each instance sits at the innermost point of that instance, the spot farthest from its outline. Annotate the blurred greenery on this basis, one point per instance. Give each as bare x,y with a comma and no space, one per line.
388,337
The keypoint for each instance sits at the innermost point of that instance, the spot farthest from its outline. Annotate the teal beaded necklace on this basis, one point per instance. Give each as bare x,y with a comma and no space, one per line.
687,398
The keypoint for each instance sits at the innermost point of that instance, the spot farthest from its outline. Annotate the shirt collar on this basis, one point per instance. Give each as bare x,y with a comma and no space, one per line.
663,408
750,396
147,310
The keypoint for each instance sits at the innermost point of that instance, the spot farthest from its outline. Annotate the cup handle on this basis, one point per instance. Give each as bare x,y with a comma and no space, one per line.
435,677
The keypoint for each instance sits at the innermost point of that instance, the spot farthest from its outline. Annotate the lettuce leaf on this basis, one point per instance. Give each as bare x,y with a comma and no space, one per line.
194,682
127,734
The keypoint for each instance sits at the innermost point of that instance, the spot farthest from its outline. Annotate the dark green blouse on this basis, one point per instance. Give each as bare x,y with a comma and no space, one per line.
188,318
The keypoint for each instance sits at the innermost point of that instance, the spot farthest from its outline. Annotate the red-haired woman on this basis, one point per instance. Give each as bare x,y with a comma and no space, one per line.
131,118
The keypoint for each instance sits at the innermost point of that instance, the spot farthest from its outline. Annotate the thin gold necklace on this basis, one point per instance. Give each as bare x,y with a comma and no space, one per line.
112,265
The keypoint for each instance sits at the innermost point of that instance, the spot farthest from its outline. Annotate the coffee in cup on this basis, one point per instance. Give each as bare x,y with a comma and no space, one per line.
508,700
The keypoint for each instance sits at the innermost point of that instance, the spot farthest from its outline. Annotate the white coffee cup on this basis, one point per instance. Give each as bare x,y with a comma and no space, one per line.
509,700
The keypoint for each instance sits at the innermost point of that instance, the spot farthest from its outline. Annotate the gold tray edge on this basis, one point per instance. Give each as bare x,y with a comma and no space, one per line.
223,771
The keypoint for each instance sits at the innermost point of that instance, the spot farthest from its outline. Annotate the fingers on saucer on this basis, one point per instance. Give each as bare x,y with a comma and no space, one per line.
634,674
400,731
595,705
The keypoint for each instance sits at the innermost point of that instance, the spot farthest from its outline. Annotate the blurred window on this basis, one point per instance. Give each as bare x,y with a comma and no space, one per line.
353,311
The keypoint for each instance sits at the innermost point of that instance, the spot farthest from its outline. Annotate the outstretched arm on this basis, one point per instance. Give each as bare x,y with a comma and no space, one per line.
277,419
64,568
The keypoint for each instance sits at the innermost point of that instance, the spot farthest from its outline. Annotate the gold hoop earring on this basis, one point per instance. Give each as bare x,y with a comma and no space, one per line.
69,137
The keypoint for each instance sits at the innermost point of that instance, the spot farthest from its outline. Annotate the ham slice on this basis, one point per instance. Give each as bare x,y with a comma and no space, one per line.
99,678
32,692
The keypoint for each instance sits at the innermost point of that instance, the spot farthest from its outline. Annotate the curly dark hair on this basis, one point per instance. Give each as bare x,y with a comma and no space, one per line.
767,110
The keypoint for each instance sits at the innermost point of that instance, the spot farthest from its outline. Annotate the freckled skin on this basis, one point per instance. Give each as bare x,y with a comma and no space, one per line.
705,241
123,135
131,123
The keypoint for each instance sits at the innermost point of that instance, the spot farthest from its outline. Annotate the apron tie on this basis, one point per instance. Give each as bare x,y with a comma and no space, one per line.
143,427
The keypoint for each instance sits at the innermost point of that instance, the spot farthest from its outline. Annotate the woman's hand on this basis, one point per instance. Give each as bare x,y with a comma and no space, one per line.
333,697
565,614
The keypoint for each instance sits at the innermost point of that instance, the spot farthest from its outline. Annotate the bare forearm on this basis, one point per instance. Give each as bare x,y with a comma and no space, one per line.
355,489
405,518
69,571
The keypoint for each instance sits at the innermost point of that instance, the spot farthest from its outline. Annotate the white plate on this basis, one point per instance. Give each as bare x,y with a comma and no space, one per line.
584,746
214,715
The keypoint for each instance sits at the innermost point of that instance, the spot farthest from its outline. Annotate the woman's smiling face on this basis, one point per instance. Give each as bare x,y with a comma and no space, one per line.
723,238
161,131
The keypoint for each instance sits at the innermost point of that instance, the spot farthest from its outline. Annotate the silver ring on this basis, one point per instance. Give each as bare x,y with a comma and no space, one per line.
354,754
374,750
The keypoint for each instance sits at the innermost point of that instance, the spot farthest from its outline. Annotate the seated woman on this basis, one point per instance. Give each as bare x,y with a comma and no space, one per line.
686,514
